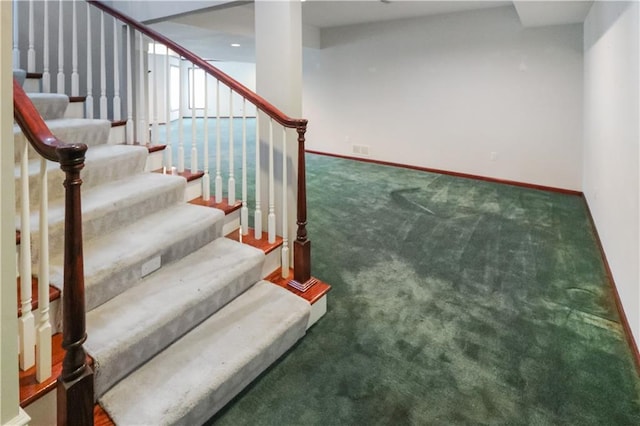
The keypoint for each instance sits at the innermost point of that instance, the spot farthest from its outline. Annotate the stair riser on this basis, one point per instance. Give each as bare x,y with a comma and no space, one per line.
75,110
117,135
32,85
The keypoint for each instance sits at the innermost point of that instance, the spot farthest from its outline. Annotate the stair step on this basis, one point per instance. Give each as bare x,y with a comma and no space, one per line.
103,163
107,207
116,261
54,294
213,362
129,329
50,105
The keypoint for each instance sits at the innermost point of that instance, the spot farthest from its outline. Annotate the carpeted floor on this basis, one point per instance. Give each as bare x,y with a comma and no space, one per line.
454,301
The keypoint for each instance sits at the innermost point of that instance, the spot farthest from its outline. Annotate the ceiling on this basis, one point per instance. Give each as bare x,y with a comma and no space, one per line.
212,29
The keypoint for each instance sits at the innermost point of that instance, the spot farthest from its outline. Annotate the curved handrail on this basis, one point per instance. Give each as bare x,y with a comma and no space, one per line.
76,377
252,97
37,132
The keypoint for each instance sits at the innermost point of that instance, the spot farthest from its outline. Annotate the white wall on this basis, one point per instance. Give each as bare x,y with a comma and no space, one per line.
448,91
611,115
146,10
9,401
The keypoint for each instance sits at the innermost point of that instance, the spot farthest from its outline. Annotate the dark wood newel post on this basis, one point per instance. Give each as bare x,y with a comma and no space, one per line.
75,384
302,246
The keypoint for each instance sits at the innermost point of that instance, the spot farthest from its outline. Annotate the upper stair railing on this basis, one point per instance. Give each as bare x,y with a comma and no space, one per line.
166,56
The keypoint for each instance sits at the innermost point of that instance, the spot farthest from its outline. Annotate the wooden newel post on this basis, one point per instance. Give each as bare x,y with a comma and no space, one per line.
302,279
75,384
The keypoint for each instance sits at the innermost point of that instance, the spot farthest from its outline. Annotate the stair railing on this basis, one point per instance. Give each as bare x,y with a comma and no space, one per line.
242,103
75,384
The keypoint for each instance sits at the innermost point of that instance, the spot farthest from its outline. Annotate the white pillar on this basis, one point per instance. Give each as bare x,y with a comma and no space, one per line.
278,28
10,412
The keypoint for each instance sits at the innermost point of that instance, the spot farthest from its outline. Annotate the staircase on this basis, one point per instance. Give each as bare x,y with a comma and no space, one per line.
179,318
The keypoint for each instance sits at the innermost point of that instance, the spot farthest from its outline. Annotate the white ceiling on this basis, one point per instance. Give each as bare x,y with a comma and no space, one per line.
210,32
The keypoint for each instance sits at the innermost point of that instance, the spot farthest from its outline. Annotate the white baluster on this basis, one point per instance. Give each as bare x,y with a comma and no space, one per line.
31,52
194,149
75,77
218,182
285,224
46,75
153,92
257,220
117,102
43,336
206,181
244,211
180,122
26,322
103,71
167,90
60,76
130,122
271,217
89,101
232,180
16,34
143,128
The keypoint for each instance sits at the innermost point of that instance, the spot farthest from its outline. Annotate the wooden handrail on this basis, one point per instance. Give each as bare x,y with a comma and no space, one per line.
242,90
302,245
75,384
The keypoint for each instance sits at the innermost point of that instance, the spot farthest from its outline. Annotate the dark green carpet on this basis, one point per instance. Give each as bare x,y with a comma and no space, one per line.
454,301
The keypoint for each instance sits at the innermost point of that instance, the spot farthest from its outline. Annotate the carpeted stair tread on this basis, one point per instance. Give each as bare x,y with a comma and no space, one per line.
108,207
113,262
50,105
91,132
132,327
198,374
103,163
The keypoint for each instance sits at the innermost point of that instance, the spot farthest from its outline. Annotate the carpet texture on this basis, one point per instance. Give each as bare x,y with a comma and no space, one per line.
217,359
454,301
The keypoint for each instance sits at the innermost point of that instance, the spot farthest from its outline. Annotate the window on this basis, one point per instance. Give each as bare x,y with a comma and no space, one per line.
175,88
196,88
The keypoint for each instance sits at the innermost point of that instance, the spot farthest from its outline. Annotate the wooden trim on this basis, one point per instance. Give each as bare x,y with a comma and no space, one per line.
30,389
249,239
315,292
118,123
451,173
54,294
35,75
243,91
631,341
100,417
186,174
223,205
77,98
